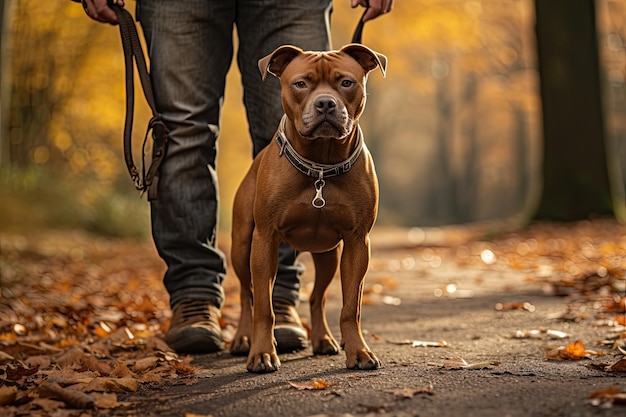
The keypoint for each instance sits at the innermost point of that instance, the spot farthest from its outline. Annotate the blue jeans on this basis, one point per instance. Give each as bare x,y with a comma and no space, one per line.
190,46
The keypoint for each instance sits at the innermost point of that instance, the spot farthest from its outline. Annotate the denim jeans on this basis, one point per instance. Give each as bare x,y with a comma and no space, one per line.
190,46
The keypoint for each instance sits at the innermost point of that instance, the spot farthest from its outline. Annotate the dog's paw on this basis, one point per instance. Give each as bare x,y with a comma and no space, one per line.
263,363
326,346
240,346
363,359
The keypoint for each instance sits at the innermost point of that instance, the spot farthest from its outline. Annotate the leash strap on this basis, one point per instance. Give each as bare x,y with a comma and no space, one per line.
144,181
358,32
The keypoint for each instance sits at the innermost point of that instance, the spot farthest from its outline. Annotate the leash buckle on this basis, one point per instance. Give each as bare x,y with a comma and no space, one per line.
318,201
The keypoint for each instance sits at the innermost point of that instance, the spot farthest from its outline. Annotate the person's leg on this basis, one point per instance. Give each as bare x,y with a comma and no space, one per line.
262,26
190,49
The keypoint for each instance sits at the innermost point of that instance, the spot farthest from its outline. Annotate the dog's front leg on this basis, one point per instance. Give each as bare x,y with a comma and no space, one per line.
263,265
354,264
325,268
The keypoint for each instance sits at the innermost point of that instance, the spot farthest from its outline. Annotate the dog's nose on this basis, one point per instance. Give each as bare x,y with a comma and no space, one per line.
325,104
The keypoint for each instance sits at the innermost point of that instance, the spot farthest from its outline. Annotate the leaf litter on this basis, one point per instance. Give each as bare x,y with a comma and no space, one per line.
75,309
81,321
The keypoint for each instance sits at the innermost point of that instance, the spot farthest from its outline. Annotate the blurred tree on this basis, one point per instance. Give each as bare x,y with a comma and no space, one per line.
576,165
5,74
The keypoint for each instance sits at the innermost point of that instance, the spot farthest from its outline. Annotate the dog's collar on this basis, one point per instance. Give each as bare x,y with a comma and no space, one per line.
312,168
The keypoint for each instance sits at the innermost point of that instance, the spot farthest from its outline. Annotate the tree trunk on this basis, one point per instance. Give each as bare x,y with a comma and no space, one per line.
575,165
5,75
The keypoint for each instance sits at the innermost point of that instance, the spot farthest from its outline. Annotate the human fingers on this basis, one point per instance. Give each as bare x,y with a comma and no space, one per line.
376,8
100,10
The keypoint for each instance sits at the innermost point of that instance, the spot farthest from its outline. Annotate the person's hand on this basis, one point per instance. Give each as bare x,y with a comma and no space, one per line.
376,7
100,11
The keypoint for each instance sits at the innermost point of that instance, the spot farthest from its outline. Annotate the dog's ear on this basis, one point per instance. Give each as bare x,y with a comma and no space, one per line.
366,57
276,62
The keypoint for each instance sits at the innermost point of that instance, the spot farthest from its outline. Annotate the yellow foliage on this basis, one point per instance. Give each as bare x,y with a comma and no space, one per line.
462,56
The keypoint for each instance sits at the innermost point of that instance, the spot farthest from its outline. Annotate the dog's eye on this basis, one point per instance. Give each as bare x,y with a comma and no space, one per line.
299,84
347,83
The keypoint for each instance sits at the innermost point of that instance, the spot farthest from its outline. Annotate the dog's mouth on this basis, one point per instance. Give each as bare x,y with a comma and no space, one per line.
326,127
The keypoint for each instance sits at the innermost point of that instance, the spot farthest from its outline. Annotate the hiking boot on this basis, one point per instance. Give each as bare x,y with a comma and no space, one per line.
195,327
289,332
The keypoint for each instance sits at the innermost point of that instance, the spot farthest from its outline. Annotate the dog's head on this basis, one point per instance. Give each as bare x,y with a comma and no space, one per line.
323,93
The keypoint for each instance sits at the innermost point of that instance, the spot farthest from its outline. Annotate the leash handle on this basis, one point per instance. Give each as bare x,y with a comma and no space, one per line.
133,55
358,32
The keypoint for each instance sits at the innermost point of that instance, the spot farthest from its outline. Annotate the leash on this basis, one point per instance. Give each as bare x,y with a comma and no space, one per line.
358,32
133,54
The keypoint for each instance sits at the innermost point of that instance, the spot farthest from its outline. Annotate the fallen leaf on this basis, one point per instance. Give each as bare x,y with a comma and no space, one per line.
18,371
125,384
460,363
106,400
7,394
607,397
619,366
540,334
572,352
520,305
313,384
72,398
403,393
419,343
144,364
184,367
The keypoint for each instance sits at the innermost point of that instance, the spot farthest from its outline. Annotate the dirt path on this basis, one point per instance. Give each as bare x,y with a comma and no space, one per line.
419,381
475,299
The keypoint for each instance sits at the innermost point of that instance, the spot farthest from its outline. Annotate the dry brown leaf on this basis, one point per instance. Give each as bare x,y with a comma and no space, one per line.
17,371
606,397
619,366
125,384
313,384
7,395
120,370
72,398
106,400
47,405
184,367
572,352
455,363
5,357
155,375
145,364
403,393
520,305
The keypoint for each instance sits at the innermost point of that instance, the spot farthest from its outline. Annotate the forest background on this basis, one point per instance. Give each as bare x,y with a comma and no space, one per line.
455,128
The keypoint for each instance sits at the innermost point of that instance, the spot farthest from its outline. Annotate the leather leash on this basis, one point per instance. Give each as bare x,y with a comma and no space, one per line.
358,32
144,181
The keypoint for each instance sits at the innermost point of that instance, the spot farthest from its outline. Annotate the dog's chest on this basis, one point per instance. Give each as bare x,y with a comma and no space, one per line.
309,227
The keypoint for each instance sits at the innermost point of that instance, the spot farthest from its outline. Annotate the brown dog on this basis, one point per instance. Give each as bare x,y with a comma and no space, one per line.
313,187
